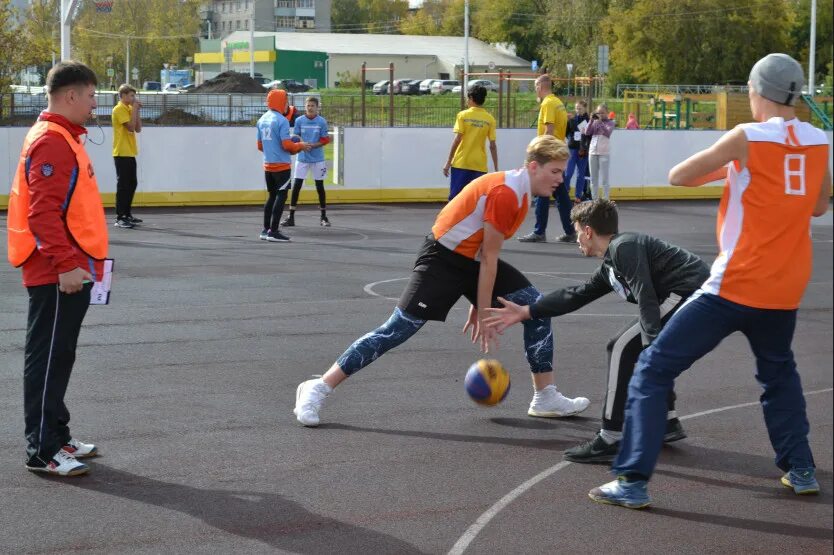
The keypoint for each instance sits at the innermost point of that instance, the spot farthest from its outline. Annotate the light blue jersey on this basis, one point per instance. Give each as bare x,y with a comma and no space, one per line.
311,131
273,129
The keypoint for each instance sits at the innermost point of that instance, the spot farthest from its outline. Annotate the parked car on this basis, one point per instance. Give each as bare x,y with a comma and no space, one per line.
171,88
413,87
489,85
289,85
152,86
444,86
425,85
187,87
381,87
404,86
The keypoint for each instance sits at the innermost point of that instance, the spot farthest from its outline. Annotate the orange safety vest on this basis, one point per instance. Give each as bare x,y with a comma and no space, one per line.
83,211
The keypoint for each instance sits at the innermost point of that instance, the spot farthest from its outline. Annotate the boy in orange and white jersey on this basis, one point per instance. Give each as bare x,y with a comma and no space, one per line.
777,178
460,258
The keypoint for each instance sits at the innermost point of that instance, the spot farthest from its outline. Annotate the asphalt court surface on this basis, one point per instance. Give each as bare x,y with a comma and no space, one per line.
187,380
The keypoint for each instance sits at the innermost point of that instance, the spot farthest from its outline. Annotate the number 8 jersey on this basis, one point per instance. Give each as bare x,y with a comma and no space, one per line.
764,220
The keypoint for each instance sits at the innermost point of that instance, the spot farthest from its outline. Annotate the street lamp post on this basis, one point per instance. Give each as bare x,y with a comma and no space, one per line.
570,71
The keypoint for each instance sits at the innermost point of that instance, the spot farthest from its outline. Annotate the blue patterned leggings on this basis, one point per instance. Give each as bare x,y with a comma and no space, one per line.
538,337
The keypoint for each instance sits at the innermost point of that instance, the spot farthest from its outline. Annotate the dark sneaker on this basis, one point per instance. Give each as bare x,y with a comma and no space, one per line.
802,480
133,219
593,451
62,464
289,221
674,431
633,495
533,237
124,224
567,238
80,450
263,234
325,222
277,237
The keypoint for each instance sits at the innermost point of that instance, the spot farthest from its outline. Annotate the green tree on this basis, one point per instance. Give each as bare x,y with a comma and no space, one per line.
695,41
800,40
11,61
427,20
42,31
526,24
157,32
577,29
345,17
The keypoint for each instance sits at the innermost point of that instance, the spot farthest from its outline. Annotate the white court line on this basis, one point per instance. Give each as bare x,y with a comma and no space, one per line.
369,288
473,531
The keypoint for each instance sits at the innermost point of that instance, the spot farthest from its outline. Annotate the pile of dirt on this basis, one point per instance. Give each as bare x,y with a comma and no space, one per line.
230,82
175,116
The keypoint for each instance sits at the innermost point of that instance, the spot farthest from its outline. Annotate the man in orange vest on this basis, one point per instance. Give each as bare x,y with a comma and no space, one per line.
58,236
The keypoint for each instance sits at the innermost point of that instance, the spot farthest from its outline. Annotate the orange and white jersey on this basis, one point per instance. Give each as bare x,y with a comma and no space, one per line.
764,220
500,198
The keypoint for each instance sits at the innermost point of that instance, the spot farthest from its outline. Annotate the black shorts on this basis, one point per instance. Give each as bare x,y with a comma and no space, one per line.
440,277
277,181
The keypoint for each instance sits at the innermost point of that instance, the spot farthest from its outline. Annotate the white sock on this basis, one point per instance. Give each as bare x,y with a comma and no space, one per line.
610,437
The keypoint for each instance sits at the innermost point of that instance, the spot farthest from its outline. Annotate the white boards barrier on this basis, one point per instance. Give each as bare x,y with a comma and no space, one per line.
221,165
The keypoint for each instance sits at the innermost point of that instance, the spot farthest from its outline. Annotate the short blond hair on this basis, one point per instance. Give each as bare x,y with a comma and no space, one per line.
546,148
126,89
544,79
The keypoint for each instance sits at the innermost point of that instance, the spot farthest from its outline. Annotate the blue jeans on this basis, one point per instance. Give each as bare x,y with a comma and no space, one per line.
695,330
578,164
563,204
461,178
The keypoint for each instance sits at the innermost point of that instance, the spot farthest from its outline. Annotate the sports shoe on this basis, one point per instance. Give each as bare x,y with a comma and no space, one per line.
550,403
80,450
134,220
567,238
277,237
802,480
123,223
289,221
324,222
674,431
62,464
533,237
596,450
633,495
309,398
263,234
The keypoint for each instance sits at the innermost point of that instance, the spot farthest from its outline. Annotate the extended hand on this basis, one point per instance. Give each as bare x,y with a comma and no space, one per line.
502,318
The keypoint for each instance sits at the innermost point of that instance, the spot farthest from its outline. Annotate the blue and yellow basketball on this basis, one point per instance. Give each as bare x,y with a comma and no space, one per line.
487,382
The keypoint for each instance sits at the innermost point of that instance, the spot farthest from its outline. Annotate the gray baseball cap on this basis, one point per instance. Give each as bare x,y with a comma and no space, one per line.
779,78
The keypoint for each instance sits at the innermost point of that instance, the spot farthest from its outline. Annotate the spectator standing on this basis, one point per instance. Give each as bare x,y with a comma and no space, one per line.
553,120
126,124
600,130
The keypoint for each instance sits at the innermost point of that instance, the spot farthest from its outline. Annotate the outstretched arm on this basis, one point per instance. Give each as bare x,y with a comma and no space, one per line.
709,165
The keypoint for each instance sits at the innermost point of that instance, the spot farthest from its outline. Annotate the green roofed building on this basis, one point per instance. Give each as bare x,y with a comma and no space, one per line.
325,58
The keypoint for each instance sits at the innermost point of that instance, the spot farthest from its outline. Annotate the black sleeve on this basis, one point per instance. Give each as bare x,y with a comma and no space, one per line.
632,261
563,301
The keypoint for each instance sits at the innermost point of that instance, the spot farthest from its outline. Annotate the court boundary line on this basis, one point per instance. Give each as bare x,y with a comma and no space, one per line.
480,523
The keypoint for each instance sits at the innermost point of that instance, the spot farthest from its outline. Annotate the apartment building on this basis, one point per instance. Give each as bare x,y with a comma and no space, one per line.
227,16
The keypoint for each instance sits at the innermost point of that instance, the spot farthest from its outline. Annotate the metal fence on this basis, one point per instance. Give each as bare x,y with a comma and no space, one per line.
245,109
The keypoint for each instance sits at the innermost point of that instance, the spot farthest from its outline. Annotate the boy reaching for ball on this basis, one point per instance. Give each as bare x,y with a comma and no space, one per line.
641,269
460,258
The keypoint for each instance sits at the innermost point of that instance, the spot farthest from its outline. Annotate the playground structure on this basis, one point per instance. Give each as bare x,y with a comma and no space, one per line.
721,108
362,73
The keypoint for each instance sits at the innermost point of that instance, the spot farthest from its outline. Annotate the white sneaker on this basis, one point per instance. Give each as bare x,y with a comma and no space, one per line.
309,397
550,403
80,450
62,464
